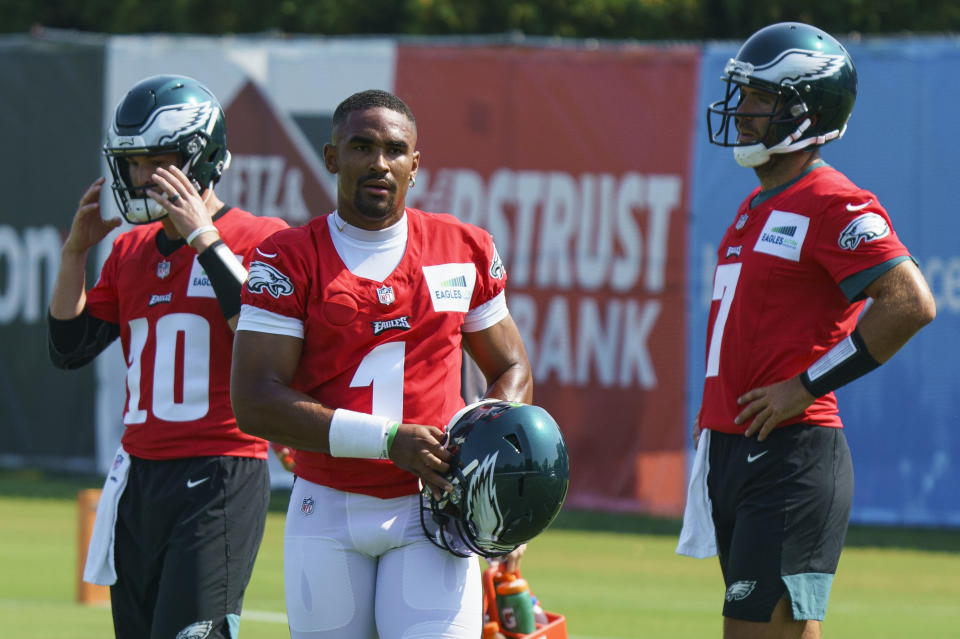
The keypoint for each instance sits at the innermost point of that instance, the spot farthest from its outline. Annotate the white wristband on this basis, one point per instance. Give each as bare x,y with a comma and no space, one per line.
354,434
197,231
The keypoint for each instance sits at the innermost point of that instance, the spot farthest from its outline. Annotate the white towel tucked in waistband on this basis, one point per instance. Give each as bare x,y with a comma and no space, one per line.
697,537
100,568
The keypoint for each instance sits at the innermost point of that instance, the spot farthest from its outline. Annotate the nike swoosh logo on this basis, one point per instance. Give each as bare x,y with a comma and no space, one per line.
858,207
753,458
192,484
274,254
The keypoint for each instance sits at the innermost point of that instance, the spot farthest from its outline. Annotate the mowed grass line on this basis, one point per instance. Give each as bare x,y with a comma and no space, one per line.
609,578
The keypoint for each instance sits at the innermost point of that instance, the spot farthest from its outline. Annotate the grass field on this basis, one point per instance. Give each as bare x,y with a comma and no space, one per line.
612,576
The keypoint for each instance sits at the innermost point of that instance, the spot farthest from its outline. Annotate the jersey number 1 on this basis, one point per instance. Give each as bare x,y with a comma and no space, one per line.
382,370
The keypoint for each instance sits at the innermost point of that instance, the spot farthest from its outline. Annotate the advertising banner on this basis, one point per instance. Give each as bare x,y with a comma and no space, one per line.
576,161
48,117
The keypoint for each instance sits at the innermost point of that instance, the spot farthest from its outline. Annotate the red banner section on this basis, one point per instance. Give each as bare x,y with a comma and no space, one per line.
577,162
274,169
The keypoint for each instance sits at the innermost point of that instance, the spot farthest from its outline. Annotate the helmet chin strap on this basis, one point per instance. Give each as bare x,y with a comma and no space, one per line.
756,154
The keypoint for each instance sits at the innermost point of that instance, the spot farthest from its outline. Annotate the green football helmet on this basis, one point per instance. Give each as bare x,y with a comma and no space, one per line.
165,114
509,472
813,79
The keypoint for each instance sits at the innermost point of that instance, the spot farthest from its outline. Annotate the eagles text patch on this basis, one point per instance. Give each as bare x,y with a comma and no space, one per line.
199,285
783,235
451,286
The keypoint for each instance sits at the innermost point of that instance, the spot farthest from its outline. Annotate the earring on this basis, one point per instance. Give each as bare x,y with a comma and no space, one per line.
413,182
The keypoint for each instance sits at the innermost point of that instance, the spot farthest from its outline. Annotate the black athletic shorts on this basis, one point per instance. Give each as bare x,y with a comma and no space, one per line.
188,531
781,509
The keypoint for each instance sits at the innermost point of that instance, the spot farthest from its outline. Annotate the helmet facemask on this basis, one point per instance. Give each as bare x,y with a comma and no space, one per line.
453,527
509,474
135,205
787,122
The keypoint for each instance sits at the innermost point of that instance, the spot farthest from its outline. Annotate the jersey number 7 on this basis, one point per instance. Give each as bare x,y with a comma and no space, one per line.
724,287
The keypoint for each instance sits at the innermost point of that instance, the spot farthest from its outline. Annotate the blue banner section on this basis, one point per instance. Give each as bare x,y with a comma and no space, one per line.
900,419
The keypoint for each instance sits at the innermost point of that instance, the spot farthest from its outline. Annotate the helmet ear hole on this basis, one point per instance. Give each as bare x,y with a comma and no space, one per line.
514,441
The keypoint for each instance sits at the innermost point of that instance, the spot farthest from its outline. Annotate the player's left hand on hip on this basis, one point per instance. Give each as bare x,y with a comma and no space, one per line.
771,405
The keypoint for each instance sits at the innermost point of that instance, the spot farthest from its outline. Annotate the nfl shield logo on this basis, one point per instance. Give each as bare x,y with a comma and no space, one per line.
385,295
741,221
306,508
163,268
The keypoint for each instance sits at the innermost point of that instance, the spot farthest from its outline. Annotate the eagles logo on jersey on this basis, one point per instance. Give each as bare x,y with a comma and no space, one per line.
165,114
509,472
497,271
865,228
808,72
264,277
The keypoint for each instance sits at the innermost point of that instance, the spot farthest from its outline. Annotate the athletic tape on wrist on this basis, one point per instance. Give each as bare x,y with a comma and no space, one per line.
354,434
197,231
226,275
845,362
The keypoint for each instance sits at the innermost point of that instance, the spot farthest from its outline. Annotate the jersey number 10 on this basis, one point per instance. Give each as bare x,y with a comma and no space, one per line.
195,377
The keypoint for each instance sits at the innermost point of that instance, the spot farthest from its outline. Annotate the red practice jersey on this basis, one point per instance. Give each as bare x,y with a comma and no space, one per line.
389,348
777,302
176,342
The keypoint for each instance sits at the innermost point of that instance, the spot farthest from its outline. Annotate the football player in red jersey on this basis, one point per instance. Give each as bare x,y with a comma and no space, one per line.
188,490
348,350
802,255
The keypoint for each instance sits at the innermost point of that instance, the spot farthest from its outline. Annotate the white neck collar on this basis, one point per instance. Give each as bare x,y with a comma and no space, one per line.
393,231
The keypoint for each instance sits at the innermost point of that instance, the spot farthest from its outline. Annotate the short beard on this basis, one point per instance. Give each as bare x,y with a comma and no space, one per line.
374,210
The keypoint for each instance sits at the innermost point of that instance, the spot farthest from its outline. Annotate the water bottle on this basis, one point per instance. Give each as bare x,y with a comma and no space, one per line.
538,614
515,606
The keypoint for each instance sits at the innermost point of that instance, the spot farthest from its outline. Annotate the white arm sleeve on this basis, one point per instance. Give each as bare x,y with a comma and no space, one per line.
254,318
487,314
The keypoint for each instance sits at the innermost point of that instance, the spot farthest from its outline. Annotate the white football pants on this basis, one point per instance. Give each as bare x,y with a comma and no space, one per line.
359,567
